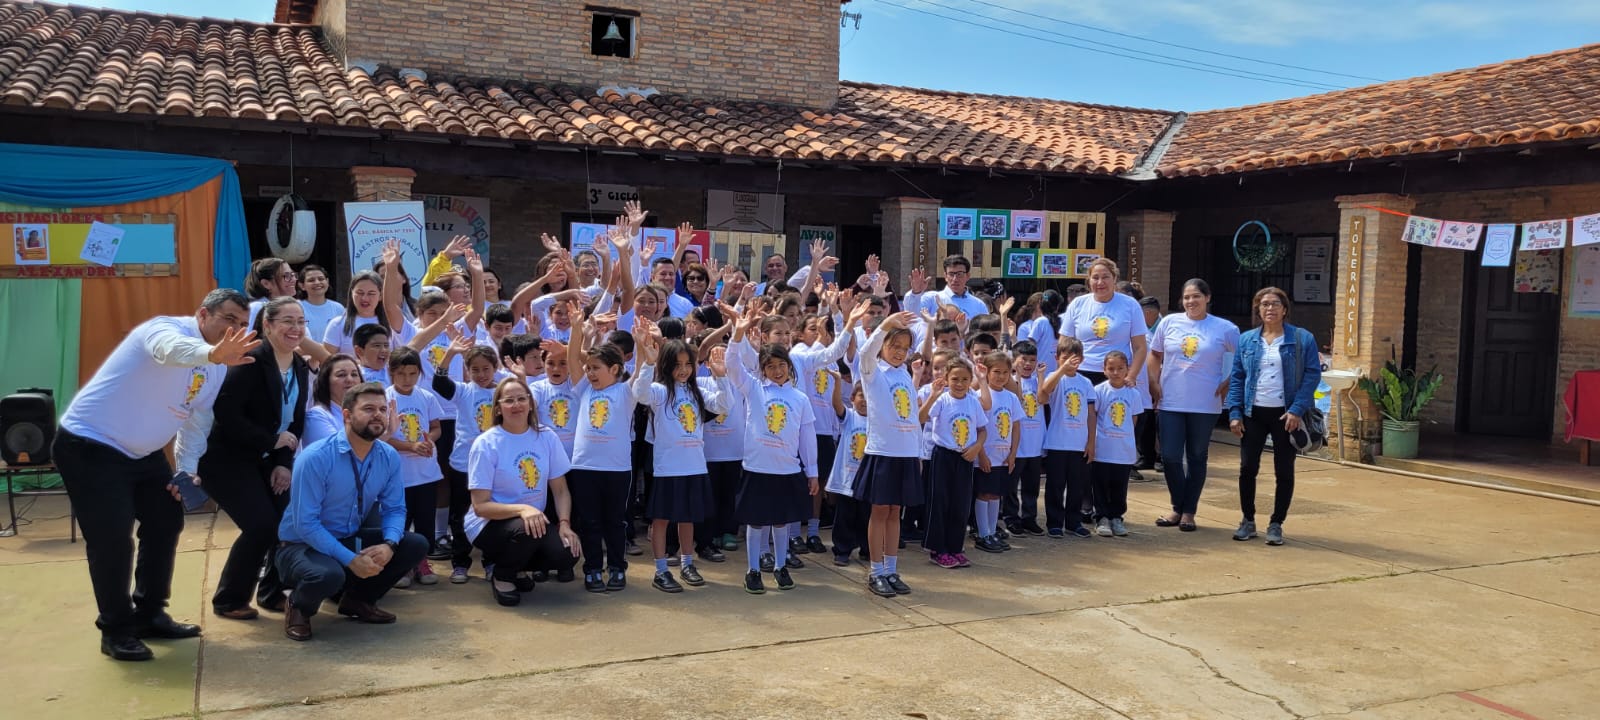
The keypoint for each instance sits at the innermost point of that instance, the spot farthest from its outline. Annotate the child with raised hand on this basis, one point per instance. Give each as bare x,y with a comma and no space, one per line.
1020,504
473,402
814,363
889,475
679,405
780,456
1115,449
849,516
1068,440
1003,410
959,428
600,475
556,393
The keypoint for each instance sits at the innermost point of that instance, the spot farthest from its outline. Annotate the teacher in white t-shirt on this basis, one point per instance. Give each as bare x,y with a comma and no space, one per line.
1190,356
1105,320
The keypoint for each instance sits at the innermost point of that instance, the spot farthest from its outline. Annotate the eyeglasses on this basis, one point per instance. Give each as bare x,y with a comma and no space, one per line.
957,273
299,323
523,400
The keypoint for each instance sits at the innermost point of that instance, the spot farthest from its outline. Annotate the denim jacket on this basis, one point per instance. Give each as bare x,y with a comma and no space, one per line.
1247,364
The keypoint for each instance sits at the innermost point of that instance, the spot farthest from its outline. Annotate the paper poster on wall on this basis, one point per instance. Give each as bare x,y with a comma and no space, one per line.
1538,271
1586,230
700,244
1544,235
1055,264
958,224
1585,283
825,233
32,244
744,211
1457,235
102,243
1022,262
662,242
1421,231
1498,242
1313,270
447,216
994,224
372,225
1081,262
581,236
1027,225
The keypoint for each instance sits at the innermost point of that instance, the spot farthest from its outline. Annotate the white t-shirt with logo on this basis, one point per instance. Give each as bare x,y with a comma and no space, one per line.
474,410
1070,406
955,422
516,469
847,456
1004,416
604,438
414,413
1103,327
1032,416
557,409
1192,355
1114,436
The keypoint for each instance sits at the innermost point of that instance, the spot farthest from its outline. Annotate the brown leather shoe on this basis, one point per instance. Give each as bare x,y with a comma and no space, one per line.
296,626
239,613
364,611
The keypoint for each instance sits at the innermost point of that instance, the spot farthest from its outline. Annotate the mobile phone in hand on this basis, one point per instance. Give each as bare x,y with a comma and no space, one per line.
193,497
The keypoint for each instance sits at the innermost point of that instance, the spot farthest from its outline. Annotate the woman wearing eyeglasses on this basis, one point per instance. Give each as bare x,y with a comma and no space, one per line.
258,419
1273,385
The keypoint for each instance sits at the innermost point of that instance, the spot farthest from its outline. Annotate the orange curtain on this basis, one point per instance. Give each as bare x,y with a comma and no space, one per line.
114,306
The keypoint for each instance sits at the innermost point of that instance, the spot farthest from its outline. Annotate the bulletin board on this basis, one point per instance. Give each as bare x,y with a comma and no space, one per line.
79,245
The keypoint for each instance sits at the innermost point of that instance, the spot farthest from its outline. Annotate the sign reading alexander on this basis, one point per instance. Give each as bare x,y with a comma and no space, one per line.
1350,278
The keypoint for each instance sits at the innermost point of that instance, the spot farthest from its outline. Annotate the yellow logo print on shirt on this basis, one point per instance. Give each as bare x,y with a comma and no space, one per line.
821,381
777,417
1030,404
485,416
599,412
1191,346
529,470
1119,413
560,414
1101,325
1004,420
902,403
858,445
687,417
1074,404
197,380
436,355
410,426
961,430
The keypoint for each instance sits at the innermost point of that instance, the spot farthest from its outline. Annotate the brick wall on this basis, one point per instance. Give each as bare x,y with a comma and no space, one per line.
785,52
1442,340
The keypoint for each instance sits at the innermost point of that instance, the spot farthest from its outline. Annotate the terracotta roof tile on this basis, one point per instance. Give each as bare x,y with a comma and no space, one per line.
1543,98
109,61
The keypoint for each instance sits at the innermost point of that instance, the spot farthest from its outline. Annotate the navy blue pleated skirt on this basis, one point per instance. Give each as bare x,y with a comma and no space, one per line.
681,498
889,481
771,499
995,482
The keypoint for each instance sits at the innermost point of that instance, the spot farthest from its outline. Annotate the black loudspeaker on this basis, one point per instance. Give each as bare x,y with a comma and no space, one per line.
27,426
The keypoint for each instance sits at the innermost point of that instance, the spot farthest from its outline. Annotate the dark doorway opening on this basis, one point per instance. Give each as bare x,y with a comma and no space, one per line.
1509,340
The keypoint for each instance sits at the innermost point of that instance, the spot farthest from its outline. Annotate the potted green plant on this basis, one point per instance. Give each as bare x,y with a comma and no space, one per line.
1400,395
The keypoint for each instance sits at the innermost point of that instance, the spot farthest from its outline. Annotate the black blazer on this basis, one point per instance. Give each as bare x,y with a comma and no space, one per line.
246,415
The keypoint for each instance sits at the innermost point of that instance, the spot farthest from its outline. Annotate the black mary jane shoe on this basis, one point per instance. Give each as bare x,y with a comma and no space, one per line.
510,598
525,583
1188,527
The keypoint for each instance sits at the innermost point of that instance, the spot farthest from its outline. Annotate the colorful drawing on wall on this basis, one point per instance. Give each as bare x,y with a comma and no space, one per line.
1498,242
1055,264
1081,262
1538,271
1544,235
1586,230
1027,225
1421,231
1458,235
994,224
1585,283
958,224
32,244
1022,262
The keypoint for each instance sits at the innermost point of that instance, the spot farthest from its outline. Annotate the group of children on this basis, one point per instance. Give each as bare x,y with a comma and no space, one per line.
752,409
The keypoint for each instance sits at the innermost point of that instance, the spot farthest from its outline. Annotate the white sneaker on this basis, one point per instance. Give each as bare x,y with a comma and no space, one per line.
1117,528
425,574
404,581
1103,528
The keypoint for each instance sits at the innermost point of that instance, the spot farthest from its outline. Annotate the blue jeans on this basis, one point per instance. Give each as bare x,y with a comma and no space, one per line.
1185,436
314,577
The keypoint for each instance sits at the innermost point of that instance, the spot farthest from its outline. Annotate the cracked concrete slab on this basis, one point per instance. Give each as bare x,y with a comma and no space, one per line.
876,676
1568,582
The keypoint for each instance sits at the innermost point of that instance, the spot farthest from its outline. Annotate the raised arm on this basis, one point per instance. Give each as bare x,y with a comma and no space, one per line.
393,298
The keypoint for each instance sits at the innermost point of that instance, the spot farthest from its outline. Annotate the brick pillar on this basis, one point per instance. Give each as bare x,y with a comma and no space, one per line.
900,216
369,184
1145,252
1370,304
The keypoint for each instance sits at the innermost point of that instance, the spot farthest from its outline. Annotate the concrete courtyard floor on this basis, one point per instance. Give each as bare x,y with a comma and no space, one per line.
1394,598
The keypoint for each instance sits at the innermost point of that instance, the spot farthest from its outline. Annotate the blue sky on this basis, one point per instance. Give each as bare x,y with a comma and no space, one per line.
1024,50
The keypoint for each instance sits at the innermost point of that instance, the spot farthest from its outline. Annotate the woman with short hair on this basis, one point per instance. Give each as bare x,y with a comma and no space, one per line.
1273,386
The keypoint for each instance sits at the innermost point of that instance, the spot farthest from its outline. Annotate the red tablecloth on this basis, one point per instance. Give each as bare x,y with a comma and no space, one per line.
1583,405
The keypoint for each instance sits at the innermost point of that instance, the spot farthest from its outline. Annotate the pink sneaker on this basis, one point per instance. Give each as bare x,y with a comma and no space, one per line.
961,560
946,561
425,574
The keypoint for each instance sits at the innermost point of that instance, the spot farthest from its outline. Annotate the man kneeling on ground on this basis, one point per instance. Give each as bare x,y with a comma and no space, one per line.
326,550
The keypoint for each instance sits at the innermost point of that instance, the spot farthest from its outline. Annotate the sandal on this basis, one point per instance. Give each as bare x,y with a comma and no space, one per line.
1163,522
1187,527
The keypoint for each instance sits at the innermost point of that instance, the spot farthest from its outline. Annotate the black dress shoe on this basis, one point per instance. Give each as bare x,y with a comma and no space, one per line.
794,562
798,546
814,544
125,647
665,582
524,583
506,599
1031,528
593,583
540,576
900,587
617,582
691,575
566,575
880,587
165,628
710,553
768,562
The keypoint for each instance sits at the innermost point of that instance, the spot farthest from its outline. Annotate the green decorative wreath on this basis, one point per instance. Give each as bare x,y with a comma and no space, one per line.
1255,251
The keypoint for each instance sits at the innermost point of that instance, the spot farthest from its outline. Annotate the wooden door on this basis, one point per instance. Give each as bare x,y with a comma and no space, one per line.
1512,341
